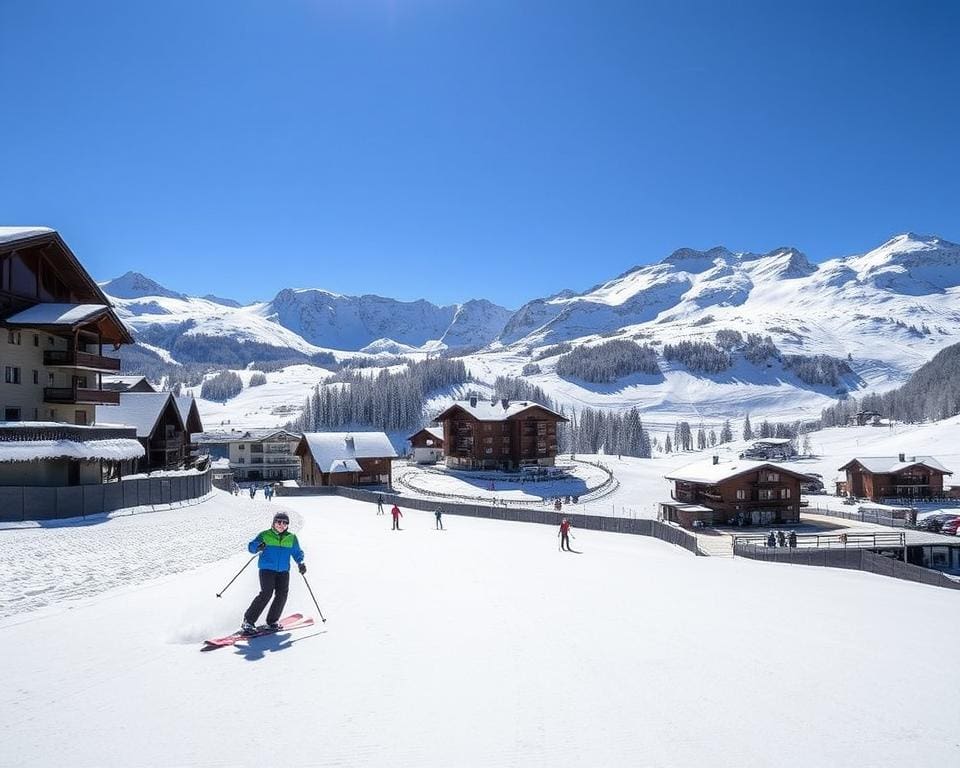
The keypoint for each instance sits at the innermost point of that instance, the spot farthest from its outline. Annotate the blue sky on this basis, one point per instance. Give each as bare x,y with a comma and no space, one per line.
451,149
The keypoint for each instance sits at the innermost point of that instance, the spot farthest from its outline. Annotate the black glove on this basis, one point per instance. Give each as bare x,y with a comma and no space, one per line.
302,567
261,546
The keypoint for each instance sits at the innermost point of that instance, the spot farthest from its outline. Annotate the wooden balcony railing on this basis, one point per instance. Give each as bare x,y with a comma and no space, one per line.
70,358
79,396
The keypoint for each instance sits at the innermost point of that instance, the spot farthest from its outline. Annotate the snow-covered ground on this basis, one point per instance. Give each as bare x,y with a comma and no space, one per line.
481,645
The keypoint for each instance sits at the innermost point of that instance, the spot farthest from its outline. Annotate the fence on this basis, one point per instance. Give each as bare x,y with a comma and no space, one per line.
21,503
854,558
864,516
874,540
637,527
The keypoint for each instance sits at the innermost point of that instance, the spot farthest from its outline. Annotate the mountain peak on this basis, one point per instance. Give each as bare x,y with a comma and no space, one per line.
134,285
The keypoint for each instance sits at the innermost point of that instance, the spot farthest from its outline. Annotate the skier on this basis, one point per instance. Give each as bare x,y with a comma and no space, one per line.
557,504
564,534
397,514
438,514
253,491
379,504
276,546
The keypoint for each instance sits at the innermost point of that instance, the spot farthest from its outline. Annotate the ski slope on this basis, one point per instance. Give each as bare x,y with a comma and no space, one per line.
481,645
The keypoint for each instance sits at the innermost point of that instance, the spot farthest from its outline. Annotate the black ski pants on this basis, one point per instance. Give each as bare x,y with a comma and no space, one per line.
272,584
565,541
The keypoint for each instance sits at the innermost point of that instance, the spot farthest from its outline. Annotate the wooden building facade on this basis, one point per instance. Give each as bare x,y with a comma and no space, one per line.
346,458
745,492
894,477
499,434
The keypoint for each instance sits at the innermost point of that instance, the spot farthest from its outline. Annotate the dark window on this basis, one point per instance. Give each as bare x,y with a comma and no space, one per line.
80,417
11,414
13,337
23,274
36,377
12,374
36,339
50,379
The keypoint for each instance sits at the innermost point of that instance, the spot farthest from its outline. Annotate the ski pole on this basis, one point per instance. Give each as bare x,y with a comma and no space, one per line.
314,599
238,573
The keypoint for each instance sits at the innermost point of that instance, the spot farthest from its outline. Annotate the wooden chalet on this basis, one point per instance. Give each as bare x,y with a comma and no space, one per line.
56,321
192,425
499,434
889,477
427,445
722,493
160,428
346,458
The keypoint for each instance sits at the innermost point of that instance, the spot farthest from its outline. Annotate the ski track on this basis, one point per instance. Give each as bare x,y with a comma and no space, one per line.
70,560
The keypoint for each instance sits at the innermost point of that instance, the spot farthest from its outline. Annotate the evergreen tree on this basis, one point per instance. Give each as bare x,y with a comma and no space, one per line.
747,429
726,434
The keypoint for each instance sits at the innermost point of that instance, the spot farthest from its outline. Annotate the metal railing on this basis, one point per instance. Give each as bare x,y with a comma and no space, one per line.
70,395
866,540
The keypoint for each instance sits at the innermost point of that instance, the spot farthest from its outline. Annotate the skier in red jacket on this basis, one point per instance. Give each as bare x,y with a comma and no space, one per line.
397,514
564,534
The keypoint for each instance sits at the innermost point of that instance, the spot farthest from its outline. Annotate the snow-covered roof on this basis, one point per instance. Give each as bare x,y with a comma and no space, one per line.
136,409
708,472
437,432
496,410
342,465
884,465
57,314
184,404
329,447
772,441
117,449
126,381
244,435
12,234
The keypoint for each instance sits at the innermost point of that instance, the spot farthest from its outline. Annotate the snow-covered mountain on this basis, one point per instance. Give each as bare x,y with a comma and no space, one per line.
328,319
883,313
303,321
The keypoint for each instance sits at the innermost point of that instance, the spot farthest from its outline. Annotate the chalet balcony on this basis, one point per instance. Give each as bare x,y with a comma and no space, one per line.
169,444
71,358
281,461
80,396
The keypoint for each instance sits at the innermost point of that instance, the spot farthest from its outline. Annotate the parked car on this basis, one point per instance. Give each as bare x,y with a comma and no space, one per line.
934,523
949,527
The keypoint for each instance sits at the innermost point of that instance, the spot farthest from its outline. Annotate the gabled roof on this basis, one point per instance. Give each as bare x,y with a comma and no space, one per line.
887,465
495,410
436,432
326,448
771,441
58,253
123,383
708,472
139,409
189,413
342,465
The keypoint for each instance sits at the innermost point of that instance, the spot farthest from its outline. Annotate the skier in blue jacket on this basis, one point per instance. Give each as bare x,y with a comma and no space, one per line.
276,546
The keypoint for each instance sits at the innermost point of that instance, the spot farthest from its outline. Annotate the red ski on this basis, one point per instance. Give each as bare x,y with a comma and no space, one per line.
293,621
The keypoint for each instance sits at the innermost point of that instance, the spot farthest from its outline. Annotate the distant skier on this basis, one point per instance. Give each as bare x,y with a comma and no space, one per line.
253,491
379,504
397,514
438,515
564,534
276,546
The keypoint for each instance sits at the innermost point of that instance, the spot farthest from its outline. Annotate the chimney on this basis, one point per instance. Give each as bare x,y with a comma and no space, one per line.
716,460
505,402
903,458
473,401
348,442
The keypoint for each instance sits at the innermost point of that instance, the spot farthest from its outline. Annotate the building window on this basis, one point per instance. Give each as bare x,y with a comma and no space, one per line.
49,379
80,417
488,450
53,414
741,494
12,374
242,447
785,493
50,341
36,377
765,494
773,477
11,414
13,337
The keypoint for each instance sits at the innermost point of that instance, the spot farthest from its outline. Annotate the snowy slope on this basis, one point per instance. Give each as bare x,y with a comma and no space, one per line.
481,645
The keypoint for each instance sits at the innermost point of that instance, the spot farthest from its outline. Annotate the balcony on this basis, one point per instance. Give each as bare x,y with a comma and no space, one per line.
167,444
79,396
70,358
281,461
